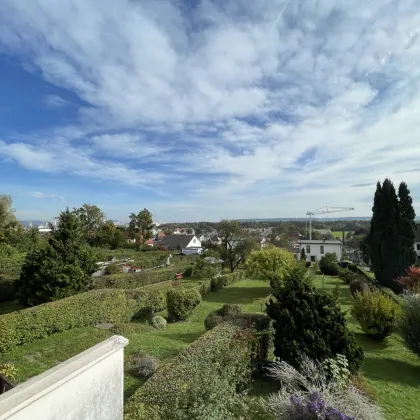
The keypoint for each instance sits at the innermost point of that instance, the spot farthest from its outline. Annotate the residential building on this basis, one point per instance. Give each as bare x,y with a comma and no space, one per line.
215,240
417,242
316,249
180,242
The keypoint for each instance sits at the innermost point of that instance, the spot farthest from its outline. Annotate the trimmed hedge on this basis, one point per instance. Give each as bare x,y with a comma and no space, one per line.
259,322
201,382
135,280
82,310
181,303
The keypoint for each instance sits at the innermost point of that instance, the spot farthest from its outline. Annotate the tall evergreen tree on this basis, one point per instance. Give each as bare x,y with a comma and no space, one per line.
407,226
61,269
391,237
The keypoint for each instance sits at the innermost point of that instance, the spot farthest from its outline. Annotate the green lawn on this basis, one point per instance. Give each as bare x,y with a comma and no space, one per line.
390,369
34,358
338,234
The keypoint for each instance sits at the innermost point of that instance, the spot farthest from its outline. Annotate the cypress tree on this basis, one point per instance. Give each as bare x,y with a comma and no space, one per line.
392,232
407,227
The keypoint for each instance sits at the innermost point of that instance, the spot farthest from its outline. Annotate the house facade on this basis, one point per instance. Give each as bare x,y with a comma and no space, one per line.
417,242
316,249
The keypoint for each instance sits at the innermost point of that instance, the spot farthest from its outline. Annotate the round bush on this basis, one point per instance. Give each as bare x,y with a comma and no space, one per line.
142,365
347,276
377,313
188,272
410,323
158,322
181,303
358,286
329,264
212,319
229,309
112,269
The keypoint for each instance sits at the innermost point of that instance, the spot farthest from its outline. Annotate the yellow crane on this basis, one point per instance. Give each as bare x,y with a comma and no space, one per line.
324,210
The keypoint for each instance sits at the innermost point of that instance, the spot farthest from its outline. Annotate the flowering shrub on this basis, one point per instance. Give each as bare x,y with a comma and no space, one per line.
309,393
314,407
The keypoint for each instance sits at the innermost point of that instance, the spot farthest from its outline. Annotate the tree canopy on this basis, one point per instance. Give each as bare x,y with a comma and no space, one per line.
271,264
141,225
61,269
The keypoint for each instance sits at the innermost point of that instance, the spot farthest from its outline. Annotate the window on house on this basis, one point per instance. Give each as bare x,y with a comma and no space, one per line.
313,258
194,241
418,247
308,249
322,249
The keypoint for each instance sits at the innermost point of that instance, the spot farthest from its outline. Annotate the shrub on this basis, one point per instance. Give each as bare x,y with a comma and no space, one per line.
358,286
308,393
212,320
181,303
135,280
411,281
410,323
149,301
259,322
7,289
188,272
146,366
336,369
200,383
217,283
8,370
329,264
309,322
158,322
112,269
229,309
376,313
352,267
347,276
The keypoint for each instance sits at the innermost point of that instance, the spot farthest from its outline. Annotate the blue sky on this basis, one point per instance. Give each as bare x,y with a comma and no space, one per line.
207,109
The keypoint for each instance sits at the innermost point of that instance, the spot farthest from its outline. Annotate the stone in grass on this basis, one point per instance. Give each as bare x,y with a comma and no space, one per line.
104,326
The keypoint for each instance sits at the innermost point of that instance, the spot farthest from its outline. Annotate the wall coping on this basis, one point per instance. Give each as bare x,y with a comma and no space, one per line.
13,401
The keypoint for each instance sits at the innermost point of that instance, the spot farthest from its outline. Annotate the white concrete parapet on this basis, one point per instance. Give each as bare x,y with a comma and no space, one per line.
89,386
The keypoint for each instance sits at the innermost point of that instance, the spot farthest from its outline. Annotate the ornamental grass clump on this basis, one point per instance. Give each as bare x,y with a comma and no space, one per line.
309,394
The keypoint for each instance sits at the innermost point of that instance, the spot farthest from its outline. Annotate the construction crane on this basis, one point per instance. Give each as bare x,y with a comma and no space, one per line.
324,210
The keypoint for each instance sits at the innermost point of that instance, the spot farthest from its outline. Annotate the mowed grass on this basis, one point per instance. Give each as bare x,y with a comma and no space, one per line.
390,369
34,358
338,234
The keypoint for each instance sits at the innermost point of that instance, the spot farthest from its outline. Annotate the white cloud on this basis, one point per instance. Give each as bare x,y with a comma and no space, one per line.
40,195
231,92
55,101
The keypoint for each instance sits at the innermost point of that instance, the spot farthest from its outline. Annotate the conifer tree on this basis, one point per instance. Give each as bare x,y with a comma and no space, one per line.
392,232
61,269
310,322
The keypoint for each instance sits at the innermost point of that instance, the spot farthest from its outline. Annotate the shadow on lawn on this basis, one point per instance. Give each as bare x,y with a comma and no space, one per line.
369,344
184,337
238,295
390,370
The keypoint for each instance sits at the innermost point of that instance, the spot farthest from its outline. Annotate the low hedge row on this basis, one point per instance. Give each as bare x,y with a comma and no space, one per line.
85,309
201,382
218,283
261,323
181,302
135,280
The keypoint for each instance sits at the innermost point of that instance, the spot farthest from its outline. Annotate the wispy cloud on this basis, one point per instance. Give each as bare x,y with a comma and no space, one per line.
40,195
55,101
250,104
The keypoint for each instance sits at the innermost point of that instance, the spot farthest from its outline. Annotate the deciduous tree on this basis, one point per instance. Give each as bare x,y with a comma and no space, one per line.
91,219
271,264
141,226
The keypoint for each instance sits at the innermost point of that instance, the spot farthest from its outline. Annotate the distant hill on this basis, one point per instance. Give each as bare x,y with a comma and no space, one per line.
303,219
34,222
